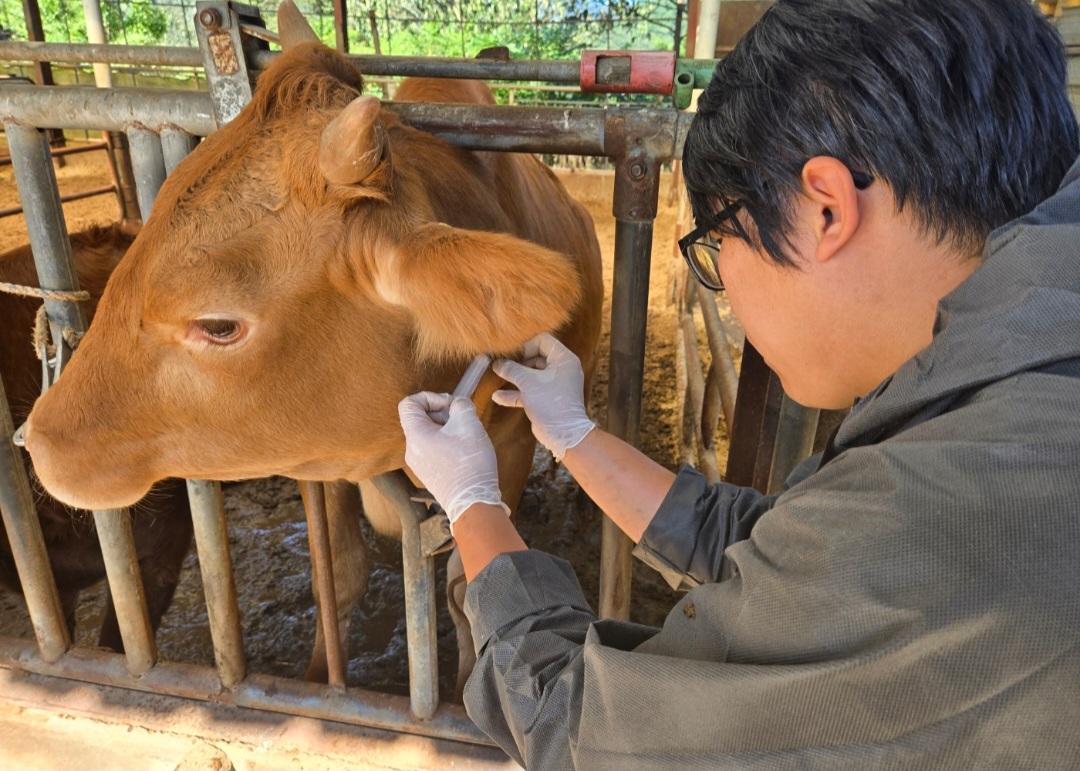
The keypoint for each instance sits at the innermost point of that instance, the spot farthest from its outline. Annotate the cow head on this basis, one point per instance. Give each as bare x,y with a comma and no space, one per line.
293,283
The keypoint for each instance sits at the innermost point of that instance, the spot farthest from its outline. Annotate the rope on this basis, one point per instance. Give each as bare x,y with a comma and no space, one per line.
41,321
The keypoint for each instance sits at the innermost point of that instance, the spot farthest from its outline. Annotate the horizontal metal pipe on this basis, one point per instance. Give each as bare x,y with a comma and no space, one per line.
80,53
566,71
573,131
107,109
68,150
266,692
66,198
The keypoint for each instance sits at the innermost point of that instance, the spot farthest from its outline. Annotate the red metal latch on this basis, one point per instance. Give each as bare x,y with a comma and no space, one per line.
627,72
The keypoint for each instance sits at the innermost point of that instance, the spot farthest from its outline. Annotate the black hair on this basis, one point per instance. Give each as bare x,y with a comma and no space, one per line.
960,106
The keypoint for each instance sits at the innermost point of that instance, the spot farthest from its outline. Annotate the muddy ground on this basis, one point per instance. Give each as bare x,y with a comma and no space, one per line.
266,524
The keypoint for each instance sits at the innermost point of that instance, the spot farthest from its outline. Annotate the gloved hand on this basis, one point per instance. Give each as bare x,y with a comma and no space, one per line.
456,462
551,388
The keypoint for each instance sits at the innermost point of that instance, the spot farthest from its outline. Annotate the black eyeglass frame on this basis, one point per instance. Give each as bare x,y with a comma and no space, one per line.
698,234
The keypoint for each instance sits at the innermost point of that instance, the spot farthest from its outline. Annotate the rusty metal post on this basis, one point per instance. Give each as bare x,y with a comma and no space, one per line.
753,431
215,565
640,141
341,26
419,577
148,163
28,545
322,568
35,32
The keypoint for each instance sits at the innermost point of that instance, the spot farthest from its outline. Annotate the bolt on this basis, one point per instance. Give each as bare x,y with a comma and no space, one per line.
210,18
637,171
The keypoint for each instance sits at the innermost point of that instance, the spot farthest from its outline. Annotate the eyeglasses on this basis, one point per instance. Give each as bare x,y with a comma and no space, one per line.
702,252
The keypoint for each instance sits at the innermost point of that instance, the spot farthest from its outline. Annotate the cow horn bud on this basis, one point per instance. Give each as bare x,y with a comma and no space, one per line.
293,28
354,144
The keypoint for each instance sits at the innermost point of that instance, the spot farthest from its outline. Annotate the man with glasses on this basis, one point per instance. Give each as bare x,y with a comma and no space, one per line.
885,191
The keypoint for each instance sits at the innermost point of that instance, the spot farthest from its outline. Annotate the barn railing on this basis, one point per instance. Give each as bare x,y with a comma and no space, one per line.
161,127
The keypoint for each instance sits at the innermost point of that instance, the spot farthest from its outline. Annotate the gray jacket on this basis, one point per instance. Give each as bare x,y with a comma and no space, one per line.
913,602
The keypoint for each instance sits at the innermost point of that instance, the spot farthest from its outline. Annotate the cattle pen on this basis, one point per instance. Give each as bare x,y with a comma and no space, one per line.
161,127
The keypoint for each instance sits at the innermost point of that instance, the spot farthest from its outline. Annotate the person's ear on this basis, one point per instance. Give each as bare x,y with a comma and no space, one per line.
474,292
834,204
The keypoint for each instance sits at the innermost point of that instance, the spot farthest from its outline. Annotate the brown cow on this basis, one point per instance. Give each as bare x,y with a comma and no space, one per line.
161,524
306,267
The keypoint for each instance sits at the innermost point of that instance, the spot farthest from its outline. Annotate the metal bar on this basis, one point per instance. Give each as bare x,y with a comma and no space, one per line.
81,53
696,388
574,131
577,131
148,163
795,433
49,243
746,428
215,564
549,71
265,692
28,545
218,28
66,198
322,565
726,377
126,587
419,577
69,150
45,225
341,25
108,109
629,313
175,146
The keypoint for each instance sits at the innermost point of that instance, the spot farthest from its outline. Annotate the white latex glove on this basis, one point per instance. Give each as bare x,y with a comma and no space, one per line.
456,462
551,389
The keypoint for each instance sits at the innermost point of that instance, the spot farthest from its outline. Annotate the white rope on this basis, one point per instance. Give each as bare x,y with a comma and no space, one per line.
41,321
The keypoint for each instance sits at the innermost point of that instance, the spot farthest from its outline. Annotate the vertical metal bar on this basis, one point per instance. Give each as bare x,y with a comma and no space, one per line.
175,145
419,577
341,26
794,441
125,584
629,313
754,425
148,163
42,70
45,224
212,543
322,566
28,545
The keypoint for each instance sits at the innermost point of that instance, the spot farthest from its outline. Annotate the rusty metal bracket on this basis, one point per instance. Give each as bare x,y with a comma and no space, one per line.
623,72
226,52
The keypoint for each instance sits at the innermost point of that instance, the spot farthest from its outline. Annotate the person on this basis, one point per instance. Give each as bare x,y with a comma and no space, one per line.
886,190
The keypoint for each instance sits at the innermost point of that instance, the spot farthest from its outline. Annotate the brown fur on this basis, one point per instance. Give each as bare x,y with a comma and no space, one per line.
161,525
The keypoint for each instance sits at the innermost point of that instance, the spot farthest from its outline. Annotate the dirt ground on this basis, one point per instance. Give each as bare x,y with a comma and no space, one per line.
266,524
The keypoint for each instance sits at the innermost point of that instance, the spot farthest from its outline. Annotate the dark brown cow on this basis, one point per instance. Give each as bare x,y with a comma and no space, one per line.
160,524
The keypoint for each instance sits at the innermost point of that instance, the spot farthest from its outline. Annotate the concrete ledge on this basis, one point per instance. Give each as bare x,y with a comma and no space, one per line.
49,722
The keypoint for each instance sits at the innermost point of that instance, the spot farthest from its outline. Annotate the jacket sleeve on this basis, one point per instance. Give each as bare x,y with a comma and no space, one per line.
696,522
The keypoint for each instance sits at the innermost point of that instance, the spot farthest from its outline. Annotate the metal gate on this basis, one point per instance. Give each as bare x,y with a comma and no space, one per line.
161,127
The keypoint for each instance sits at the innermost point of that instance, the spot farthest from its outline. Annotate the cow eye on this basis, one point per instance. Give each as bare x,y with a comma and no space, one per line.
218,331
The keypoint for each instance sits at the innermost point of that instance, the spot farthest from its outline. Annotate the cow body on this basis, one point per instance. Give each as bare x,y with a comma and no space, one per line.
161,524
304,269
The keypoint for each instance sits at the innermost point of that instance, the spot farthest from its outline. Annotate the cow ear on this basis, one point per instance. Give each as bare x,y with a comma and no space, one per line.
293,28
475,292
353,149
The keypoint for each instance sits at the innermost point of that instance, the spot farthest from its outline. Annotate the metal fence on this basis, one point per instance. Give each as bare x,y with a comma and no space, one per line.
160,126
